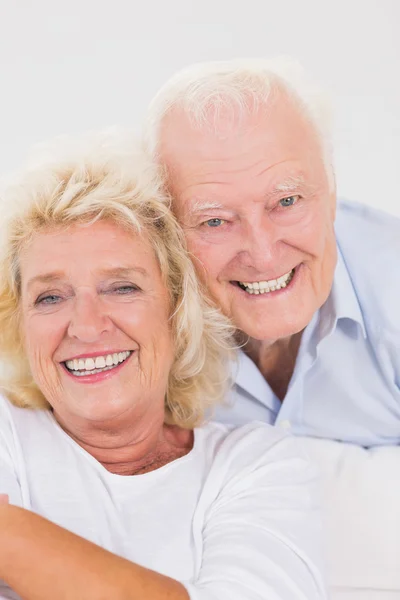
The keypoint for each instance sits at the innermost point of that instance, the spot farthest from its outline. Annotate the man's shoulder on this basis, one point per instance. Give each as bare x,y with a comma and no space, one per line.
369,241
370,229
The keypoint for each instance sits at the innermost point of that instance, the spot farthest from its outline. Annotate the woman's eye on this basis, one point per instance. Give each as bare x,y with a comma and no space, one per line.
214,222
125,289
289,201
49,299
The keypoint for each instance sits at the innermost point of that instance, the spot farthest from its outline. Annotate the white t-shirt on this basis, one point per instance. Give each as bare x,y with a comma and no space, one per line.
235,519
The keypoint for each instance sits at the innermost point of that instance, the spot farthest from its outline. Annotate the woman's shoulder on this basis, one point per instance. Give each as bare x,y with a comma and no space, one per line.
11,411
251,446
7,412
259,464
16,419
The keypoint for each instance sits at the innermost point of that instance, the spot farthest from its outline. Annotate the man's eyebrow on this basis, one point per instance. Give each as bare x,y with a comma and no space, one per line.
289,184
199,206
117,272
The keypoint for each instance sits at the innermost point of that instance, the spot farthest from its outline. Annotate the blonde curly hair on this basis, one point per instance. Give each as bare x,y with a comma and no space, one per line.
103,177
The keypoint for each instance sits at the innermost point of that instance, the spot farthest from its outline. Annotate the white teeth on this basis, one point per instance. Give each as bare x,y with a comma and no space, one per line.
89,364
99,363
272,285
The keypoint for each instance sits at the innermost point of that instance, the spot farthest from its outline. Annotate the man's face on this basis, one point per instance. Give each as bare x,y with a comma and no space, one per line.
255,203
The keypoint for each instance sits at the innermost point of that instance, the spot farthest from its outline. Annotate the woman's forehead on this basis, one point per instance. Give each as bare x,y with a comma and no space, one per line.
103,247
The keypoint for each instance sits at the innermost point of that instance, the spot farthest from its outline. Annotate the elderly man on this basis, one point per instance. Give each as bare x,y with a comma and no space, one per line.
313,290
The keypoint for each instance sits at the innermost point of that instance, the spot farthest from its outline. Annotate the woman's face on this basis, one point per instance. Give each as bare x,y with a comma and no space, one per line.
95,322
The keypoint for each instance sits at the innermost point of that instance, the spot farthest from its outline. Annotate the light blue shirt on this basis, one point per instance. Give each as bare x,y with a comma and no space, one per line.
346,381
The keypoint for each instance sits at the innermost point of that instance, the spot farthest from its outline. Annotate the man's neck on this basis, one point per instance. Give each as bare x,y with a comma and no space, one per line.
275,360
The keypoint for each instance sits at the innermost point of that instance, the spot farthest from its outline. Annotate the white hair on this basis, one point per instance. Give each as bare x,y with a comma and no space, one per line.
237,86
104,176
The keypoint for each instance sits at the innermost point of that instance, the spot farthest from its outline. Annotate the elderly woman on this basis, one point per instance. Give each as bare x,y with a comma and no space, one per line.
117,486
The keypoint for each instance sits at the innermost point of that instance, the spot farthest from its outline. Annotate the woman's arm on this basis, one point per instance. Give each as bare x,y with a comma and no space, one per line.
42,561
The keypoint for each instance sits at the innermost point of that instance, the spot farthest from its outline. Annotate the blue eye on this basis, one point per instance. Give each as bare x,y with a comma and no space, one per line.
123,289
289,201
126,289
215,222
50,299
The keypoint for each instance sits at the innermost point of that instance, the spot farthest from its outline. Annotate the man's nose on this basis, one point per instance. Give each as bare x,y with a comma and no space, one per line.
89,319
258,244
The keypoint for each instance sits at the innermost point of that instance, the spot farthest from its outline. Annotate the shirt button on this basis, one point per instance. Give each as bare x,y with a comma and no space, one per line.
285,425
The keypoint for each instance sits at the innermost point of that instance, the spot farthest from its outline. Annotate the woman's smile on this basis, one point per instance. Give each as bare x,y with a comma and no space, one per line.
102,321
95,368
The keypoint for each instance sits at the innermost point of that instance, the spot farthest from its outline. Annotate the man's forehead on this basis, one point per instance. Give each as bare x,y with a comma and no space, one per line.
275,155
202,200
218,121
226,117
272,136
182,139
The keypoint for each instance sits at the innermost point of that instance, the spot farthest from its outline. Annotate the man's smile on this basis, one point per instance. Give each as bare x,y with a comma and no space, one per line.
270,285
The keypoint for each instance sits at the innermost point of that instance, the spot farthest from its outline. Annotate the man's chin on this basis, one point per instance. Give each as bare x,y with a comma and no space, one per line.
271,331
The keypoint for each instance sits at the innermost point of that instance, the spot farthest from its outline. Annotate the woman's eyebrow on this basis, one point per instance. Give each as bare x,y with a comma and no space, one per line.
45,278
122,272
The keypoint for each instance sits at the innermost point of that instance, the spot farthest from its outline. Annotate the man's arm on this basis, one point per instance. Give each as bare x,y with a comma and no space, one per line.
42,561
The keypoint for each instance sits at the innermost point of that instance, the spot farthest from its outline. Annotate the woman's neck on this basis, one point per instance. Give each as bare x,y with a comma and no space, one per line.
146,445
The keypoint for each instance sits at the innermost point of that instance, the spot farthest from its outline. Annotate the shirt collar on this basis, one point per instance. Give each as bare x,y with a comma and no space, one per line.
246,375
342,303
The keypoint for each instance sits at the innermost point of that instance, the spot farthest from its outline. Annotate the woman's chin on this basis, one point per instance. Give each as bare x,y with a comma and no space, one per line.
92,408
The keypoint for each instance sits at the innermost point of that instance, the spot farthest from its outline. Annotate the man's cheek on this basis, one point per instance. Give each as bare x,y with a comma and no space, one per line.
200,250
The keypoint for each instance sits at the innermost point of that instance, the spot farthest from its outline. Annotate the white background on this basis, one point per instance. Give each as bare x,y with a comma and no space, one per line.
72,65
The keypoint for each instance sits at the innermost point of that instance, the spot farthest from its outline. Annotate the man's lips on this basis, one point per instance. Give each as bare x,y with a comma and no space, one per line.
266,286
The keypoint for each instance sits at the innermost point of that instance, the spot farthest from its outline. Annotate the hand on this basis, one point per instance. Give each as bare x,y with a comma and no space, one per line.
4,499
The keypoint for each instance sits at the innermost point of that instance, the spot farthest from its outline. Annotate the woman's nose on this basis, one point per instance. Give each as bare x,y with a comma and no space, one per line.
89,319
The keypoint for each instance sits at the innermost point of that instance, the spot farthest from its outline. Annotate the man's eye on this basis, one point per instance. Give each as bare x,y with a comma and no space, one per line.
289,201
214,222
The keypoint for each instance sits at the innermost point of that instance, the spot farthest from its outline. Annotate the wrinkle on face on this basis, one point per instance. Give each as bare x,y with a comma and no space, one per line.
92,261
239,177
